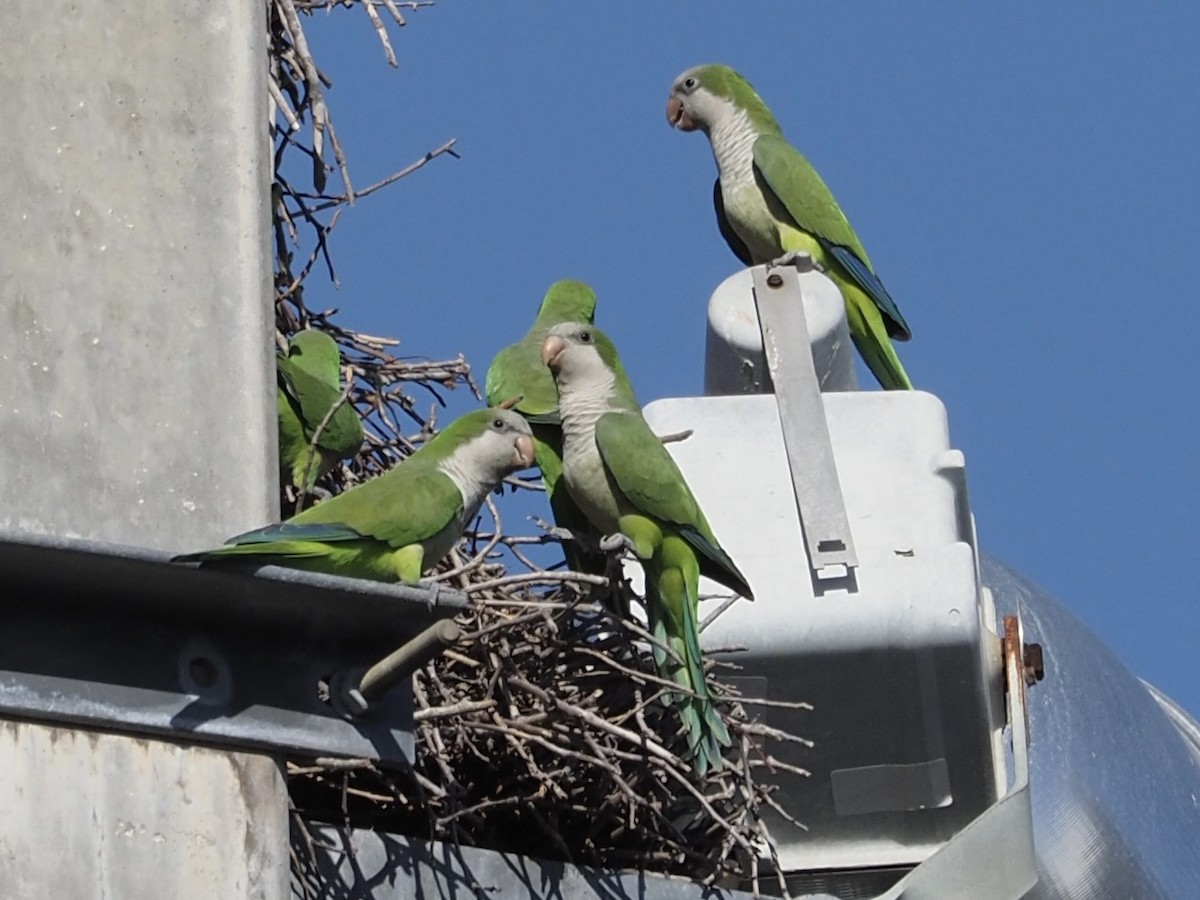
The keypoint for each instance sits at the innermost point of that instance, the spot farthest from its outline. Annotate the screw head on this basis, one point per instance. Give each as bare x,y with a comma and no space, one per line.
775,280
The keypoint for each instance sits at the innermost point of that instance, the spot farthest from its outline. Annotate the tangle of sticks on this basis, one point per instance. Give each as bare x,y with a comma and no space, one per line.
547,731
304,216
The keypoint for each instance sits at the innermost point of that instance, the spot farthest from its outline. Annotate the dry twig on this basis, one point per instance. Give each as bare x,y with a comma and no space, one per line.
303,220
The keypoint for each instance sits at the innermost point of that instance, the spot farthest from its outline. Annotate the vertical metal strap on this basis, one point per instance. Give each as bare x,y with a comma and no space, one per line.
815,482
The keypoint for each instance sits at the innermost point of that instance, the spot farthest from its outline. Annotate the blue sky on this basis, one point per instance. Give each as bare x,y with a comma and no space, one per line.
1024,176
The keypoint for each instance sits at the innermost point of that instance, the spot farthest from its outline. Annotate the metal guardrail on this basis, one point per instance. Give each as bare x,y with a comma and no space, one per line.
120,638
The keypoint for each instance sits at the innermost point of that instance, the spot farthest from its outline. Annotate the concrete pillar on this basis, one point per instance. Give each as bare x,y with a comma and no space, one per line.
84,814
136,385
136,402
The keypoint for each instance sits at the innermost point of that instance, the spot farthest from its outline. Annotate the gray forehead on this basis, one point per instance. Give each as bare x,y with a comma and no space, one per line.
512,421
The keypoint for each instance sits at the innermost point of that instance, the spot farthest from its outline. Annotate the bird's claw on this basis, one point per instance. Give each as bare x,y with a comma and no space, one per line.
800,259
611,543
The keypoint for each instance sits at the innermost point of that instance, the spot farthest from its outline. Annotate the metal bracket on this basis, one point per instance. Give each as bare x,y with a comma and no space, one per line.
117,637
786,343
353,691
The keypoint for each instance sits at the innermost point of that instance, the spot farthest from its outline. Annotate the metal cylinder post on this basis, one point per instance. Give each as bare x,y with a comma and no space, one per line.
734,362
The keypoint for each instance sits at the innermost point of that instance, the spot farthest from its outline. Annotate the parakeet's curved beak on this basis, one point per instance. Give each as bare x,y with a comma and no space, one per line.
523,452
552,351
677,116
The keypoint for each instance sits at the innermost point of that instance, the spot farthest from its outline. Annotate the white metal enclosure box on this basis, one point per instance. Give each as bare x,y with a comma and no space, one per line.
899,658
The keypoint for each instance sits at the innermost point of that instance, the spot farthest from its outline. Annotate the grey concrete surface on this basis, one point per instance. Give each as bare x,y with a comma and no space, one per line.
136,377
85,814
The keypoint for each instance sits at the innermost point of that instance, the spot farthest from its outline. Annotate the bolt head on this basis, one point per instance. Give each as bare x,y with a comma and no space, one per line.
354,702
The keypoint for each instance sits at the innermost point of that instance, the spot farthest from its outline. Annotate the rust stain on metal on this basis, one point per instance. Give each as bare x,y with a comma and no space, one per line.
1028,662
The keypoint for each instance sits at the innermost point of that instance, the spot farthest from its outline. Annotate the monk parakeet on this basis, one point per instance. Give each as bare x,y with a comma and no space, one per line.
308,385
771,202
398,525
518,371
626,482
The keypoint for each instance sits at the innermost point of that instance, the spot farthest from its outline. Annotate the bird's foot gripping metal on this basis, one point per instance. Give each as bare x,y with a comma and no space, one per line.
795,259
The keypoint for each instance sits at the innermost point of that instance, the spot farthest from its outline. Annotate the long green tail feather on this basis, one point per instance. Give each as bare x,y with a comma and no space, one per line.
684,664
869,334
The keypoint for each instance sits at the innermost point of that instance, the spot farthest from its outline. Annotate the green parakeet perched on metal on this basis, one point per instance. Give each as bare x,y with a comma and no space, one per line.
308,386
518,371
771,202
626,482
400,524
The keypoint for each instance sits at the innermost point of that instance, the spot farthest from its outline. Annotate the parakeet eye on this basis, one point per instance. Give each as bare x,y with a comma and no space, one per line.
585,337
689,83
498,423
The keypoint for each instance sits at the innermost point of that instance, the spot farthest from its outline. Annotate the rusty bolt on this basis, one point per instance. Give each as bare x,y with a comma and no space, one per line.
775,280
1035,669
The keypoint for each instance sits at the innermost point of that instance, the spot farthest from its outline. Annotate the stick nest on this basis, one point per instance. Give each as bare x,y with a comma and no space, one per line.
546,730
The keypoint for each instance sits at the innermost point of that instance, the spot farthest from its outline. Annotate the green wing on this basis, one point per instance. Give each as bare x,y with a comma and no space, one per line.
320,532
716,564
798,189
518,370
411,503
292,443
651,481
499,386
644,470
311,398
